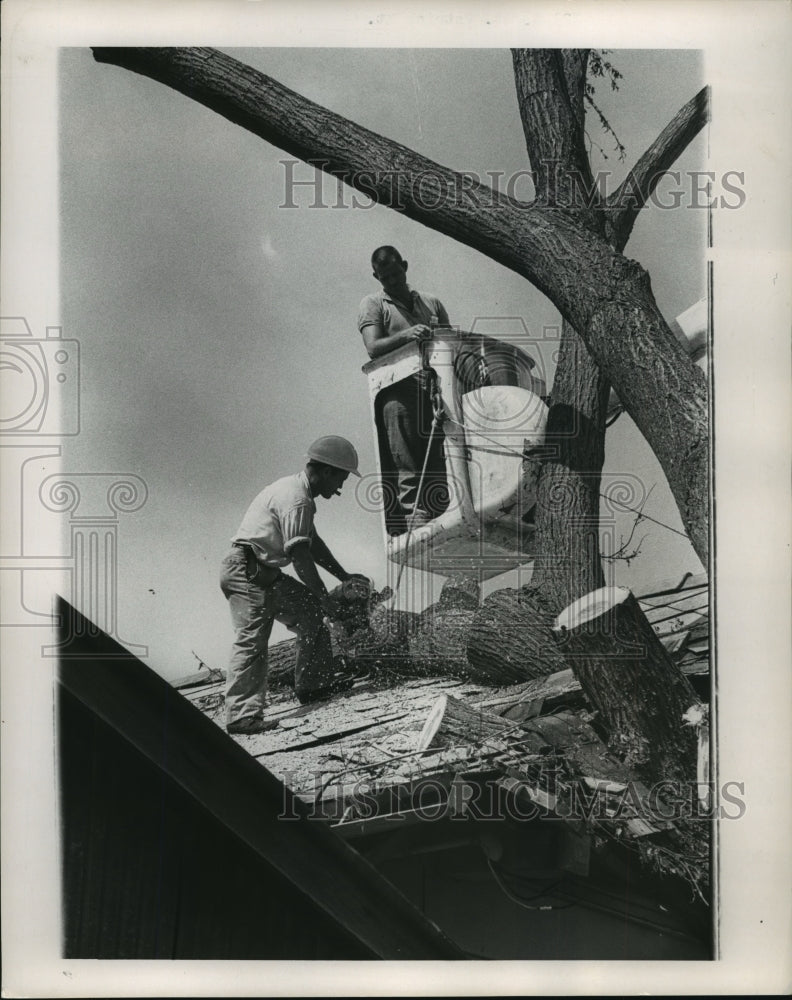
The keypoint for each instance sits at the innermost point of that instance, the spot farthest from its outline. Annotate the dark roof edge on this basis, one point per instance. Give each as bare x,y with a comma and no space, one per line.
147,712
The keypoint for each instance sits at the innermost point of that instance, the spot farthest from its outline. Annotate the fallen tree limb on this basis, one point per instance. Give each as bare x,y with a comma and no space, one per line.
511,639
638,692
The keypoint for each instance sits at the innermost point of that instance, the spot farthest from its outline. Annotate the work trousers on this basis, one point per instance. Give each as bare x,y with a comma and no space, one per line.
406,416
254,608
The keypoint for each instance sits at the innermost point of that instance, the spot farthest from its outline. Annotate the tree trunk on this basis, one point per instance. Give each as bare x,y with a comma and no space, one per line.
568,499
606,297
438,645
640,695
550,87
567,562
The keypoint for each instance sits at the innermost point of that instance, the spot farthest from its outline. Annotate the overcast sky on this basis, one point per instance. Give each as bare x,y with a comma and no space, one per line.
218,329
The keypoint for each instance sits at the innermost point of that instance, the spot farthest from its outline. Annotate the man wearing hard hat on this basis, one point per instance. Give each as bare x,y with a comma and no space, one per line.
278,529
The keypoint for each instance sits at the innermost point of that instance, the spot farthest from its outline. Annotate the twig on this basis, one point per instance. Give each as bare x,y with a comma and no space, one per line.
607,127
621,553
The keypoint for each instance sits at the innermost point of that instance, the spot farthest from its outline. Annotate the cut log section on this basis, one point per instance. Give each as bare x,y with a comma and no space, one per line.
281,658
638,691
460,591
367,631
511,639
438,644
451,721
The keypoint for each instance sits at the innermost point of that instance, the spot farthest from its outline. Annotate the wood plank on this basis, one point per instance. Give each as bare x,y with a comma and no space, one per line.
451,720
638,827
520,787
319,738
193,694
199,679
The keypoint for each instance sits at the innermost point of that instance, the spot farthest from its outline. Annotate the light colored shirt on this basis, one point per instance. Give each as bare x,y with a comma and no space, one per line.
280,517
379,309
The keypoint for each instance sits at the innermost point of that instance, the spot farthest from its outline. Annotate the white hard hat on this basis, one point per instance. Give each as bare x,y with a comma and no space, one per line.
335,451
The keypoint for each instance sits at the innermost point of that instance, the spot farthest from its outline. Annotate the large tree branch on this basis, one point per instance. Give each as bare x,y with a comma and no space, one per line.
548,85
631,196
525,238
594,287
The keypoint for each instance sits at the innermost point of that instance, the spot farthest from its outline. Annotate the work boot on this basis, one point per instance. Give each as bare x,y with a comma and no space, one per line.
251,726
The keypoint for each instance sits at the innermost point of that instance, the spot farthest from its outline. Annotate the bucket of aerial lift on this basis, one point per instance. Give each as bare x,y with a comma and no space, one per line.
494,413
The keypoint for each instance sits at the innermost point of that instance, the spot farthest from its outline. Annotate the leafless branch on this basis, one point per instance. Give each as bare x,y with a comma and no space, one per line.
631,196
607,127
621,554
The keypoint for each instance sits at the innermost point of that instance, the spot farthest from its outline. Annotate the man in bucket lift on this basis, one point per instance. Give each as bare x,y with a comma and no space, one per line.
389,319
277,530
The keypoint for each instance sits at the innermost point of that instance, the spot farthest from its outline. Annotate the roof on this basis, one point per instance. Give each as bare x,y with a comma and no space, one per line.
356,759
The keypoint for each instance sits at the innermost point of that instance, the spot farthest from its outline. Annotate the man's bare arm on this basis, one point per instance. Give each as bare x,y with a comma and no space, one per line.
323,557
305,567
378,342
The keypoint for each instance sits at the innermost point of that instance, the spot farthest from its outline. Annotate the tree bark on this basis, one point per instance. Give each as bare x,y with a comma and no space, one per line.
605,296
639,693
438,645
511,640
550,87
281,658
567,562
631,196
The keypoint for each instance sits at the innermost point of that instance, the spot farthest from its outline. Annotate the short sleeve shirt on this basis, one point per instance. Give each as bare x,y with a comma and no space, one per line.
281,516
378,309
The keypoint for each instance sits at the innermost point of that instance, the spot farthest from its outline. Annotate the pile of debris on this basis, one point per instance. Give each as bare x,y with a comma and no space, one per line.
399,742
